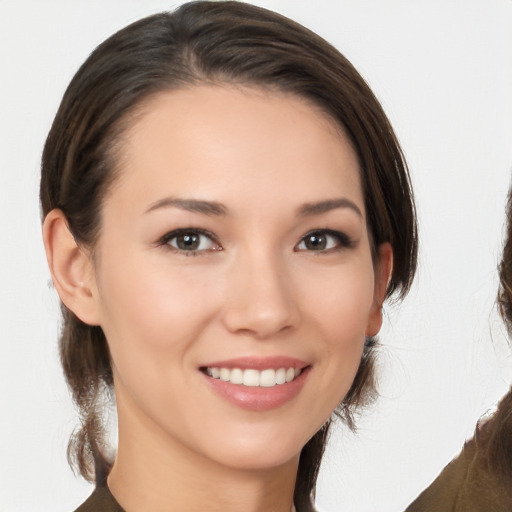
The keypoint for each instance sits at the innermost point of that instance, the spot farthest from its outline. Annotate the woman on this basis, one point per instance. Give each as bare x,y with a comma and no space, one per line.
225,208
480,478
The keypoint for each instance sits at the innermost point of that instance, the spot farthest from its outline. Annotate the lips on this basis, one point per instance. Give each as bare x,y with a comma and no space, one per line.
257,383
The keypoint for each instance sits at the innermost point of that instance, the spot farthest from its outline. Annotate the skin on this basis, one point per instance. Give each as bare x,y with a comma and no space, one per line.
254,288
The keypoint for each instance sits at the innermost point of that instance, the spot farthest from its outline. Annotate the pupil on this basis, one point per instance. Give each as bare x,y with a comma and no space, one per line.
188,242
315,242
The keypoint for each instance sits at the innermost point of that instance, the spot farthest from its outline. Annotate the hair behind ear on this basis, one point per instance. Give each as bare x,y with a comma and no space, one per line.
85,359
83,348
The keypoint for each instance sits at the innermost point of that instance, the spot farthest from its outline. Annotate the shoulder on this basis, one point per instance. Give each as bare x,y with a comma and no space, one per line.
441,495
467,483
101,500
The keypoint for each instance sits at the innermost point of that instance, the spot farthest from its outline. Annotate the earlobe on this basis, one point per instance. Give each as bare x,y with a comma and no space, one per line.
71,268
383,270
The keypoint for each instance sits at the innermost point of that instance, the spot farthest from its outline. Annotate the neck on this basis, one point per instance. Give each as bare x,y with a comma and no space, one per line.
153,471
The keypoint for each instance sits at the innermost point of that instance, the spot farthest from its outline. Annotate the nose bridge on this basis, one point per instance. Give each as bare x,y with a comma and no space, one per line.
260,301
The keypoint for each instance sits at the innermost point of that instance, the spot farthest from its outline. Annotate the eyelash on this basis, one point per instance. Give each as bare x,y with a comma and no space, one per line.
166,239
343,241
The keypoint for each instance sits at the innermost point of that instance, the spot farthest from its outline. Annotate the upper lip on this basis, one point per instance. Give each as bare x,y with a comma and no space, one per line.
259,363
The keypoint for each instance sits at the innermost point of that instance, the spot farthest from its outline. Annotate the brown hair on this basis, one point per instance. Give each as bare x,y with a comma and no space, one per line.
213,42
505,271
500,426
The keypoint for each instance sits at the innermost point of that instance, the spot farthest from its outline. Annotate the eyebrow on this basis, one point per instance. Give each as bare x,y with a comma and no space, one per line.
328,205
190,205
213,208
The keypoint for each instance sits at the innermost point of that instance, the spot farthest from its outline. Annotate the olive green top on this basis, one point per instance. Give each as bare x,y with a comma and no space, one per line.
101,500
467,484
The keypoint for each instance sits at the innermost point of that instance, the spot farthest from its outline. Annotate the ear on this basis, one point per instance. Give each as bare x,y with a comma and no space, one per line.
383,269
71,268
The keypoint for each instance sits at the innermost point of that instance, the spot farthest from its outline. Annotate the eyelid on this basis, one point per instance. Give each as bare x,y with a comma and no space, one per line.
164,240
343,240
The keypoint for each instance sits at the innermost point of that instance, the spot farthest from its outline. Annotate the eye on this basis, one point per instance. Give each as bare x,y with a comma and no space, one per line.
324,240
190,241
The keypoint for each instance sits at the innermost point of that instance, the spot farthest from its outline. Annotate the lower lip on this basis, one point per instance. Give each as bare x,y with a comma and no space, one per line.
258,398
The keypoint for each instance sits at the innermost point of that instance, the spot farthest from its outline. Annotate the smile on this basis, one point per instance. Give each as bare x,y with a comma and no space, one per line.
251,377
257,383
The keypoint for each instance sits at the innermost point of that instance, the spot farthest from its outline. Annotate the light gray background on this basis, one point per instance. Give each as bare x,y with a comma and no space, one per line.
443,71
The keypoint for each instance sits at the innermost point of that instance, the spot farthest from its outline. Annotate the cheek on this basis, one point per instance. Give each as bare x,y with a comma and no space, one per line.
341,314
342,302
148,311
151,321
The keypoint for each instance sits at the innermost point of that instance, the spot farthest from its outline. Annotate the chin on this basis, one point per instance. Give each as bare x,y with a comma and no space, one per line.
258,461
258,452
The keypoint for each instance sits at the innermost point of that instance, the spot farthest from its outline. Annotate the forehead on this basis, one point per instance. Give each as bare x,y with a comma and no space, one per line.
256,141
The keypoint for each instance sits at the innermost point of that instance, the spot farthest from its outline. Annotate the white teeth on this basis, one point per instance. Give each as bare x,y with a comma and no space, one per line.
268,378
251,378
281,376
237,376
254,378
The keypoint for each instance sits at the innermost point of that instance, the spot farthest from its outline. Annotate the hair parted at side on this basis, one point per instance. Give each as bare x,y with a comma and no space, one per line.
217,43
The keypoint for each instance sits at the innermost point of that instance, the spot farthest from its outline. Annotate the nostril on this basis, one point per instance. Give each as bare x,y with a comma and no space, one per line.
261,321
259,300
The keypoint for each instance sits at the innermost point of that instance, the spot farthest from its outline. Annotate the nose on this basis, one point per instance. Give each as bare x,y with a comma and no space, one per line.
260,298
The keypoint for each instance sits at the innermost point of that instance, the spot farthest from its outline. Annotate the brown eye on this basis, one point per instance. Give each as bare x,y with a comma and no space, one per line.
315,242
188,242
191,241
324,240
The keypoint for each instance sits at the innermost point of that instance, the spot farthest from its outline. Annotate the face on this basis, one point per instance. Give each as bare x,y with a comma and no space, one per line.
233,275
